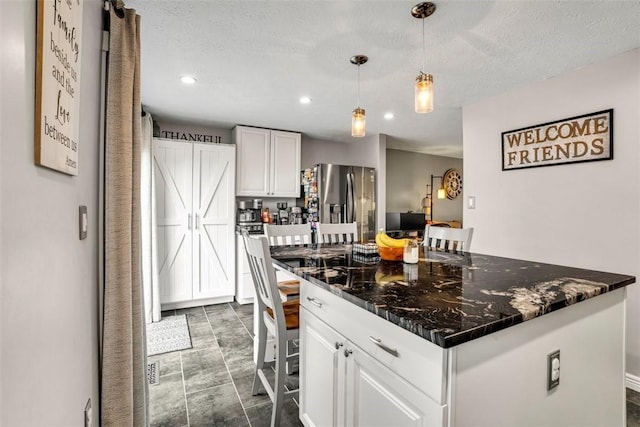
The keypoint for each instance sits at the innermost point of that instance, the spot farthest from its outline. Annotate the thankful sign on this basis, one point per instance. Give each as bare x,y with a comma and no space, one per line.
57,115
576,139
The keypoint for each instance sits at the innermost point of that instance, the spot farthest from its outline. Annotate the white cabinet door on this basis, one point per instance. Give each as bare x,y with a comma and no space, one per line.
376,396
268,162
253,146
172,176
285,164
214,221
321,373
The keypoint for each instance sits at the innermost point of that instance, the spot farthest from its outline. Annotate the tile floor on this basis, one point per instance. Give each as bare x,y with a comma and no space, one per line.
210,384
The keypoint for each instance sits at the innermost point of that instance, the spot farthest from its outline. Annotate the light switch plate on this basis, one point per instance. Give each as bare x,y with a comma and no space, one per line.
82,222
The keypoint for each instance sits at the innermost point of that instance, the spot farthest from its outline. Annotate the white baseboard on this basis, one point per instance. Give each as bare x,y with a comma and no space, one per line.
633,382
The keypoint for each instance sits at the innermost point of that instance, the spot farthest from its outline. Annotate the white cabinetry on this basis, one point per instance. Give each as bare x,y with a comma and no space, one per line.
244,282
194,222
268,162
347,379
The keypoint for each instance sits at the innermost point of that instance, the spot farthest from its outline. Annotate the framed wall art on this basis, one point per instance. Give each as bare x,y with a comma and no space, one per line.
583,138
57,103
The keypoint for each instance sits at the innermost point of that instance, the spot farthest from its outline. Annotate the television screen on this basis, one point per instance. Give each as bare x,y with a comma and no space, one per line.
397,221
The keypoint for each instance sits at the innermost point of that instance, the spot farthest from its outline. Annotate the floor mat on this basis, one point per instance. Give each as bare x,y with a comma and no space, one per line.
169,334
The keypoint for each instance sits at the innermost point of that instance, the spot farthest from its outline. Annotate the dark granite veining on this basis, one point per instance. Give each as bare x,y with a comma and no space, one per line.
448,298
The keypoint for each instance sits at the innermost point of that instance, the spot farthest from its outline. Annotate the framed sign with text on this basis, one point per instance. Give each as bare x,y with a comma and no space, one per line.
58,59
577,139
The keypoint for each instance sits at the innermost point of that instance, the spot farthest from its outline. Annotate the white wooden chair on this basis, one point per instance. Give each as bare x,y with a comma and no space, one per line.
337,233
294,234
458,239
279,318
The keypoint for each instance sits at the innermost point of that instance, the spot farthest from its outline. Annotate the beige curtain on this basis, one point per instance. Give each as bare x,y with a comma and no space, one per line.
124,386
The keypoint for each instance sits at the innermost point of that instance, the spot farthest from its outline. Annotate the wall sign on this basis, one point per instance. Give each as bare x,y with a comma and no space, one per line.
577,139
188,136
57,115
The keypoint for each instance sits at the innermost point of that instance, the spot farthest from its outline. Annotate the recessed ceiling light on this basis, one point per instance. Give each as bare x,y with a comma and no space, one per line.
388,116
305,100
188,80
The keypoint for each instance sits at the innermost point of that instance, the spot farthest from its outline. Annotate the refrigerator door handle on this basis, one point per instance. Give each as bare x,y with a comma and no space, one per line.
351,208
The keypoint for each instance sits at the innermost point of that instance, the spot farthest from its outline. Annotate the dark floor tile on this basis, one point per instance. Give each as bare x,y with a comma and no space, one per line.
260,416
247,322
167,402
242,309
217,406
633,396
633,414
202,336
222,317
204,369
243,380
236,345
167,313
195,315
169,363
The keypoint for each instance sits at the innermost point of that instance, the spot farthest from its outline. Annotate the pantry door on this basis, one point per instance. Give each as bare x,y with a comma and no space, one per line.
172,176
214,215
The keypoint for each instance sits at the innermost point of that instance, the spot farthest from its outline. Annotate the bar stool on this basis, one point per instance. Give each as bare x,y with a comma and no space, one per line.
280,318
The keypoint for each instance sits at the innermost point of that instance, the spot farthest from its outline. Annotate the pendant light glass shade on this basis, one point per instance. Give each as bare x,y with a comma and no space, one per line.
441,193
358,123
424,93
423,98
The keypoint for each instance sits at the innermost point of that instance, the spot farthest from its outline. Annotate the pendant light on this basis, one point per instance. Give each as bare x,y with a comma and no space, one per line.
424,82
358,122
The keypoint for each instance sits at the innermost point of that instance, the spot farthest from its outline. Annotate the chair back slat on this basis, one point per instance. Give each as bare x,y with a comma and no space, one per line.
293,234
452,239
337,233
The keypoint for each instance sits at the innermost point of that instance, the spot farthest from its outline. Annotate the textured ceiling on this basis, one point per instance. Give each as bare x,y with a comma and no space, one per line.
254,59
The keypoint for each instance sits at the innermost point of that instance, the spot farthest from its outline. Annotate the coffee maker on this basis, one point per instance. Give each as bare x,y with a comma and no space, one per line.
249,211
283,215
295,217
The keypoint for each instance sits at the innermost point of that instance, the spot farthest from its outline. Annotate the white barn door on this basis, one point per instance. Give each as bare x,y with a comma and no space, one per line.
172,175
214,227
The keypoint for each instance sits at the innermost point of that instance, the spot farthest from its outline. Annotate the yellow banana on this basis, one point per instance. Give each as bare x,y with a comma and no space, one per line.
390,241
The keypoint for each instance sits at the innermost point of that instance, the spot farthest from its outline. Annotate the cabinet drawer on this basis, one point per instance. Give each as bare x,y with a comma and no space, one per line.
415,359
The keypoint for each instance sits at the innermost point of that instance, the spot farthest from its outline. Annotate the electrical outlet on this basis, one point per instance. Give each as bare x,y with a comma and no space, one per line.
553,370
88,414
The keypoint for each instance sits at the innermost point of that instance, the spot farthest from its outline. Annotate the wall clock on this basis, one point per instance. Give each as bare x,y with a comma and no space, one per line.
452,183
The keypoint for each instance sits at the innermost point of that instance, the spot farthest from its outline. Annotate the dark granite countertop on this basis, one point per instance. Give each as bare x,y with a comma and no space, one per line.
448,298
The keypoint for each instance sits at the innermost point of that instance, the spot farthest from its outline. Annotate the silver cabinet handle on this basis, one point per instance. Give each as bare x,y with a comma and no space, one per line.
314,302
188,221
197,221
338,345
347,352
389,350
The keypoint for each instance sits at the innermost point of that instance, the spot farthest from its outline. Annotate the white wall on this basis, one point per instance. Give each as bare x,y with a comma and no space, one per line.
585,215
49,278
316,151
409,173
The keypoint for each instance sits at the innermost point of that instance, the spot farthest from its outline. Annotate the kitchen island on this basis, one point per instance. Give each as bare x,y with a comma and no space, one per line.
460,339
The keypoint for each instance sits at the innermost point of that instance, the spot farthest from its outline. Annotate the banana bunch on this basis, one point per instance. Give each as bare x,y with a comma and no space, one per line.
384,240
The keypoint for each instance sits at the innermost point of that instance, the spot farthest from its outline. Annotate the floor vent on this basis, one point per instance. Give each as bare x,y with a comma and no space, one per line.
153,374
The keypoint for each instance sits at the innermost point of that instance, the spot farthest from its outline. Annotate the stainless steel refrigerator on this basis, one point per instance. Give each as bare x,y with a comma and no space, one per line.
340,193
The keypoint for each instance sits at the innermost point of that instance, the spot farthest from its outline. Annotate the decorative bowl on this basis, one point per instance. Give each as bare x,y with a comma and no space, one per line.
390,254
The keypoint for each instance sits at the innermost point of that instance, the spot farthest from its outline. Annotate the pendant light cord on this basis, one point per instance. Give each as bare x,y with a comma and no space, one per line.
358,88
423,50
